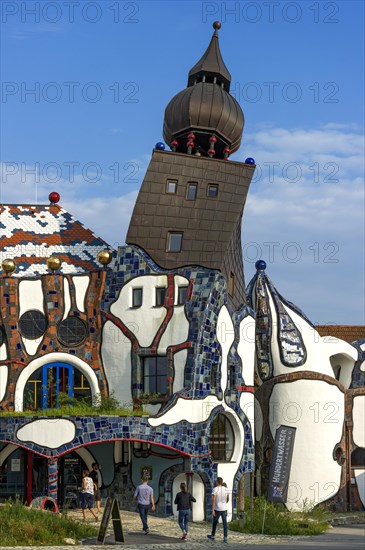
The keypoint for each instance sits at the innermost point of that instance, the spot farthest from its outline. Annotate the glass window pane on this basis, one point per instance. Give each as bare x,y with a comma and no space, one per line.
191,192
171,186
137,297
182,294
212,191
174,242
32,324
160,296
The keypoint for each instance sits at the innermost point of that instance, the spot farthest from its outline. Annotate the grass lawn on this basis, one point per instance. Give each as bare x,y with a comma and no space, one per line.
22,526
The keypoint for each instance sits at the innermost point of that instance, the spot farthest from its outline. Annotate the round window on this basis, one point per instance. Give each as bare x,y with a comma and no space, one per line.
32,324
71,331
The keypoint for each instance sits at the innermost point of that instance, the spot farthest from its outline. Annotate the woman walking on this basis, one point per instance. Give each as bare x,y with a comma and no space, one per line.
87,494
183,501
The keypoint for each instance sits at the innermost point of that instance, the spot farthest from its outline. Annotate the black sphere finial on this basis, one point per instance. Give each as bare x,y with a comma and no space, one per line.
217,25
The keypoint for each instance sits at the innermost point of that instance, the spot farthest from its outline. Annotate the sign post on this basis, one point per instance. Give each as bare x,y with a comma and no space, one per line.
112,511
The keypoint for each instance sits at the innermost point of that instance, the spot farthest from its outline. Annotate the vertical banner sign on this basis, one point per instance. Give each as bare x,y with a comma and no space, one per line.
280,465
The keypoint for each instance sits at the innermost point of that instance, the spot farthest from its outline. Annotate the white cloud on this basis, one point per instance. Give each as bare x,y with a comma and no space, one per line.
310,231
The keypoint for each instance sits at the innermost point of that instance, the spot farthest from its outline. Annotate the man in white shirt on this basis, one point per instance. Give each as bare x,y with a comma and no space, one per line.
219,508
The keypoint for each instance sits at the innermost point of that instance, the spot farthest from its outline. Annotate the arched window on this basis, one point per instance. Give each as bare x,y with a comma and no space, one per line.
49,385
221,439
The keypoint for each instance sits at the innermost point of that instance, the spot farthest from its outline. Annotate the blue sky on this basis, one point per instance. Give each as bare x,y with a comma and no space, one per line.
85,85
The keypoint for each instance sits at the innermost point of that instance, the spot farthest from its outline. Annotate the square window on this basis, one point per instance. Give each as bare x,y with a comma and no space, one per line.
212,191
137,297
155,375
191,191
182,292
174,242
160,296
171,186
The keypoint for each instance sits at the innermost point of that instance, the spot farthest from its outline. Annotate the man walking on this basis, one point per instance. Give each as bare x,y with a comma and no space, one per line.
144,496
219,508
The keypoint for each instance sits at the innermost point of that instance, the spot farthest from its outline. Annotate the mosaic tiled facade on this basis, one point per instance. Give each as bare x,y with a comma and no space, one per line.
164,324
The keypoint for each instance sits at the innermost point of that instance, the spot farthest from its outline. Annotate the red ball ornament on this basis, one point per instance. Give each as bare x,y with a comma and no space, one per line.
191,144
54,197
191,136
175,143
213,139
226,150
211,152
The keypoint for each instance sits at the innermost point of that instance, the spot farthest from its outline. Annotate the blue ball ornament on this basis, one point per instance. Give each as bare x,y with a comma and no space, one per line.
250,160
260,265
160,146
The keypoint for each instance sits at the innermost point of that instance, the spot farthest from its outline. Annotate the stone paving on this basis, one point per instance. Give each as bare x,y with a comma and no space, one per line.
165,535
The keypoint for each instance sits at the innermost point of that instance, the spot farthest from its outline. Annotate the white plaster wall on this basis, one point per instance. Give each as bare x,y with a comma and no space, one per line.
360,482
116,356
176,331
225,336
3,353
358,417
66,297
317,353
51,433
246,349
143,321
316,409
81,283
198,493
31,297
50,358
179,365
3,380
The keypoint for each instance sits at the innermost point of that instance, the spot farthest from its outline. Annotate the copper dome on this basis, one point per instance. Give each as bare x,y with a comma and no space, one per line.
204,109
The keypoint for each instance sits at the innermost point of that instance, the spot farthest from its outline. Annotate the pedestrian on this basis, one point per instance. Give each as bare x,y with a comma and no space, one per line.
87,494
220,498
183,501
94,474
144,496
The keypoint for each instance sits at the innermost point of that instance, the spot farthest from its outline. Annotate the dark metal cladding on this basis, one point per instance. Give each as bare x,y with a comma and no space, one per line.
211,64
205,109
210,226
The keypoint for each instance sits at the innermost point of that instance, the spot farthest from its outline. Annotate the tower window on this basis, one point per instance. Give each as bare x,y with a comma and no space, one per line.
191,191
171,186
160,296
137,294
174,242
181,295
212,191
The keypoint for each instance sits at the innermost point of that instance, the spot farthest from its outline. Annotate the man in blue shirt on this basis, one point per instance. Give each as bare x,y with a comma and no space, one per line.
144,496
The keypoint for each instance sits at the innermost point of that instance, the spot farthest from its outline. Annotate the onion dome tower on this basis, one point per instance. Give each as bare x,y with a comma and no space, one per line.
189,208
205,116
